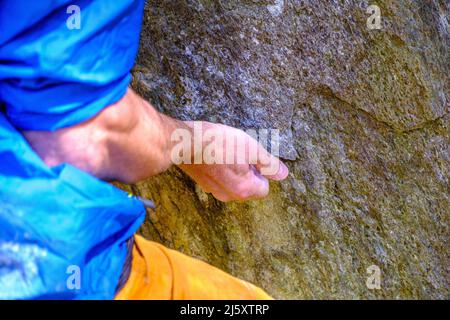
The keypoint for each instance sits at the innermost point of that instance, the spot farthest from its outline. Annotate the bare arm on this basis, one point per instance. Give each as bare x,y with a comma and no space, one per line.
130,141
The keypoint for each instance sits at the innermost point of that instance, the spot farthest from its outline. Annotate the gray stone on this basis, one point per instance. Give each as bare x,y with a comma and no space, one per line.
363,116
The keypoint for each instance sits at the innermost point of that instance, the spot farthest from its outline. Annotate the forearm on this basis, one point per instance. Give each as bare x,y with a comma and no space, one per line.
128,141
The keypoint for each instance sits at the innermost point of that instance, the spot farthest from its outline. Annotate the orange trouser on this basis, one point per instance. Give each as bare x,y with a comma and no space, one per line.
161,273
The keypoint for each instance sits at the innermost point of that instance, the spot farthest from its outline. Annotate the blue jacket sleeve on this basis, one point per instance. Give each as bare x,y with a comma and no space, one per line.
53,75
62,231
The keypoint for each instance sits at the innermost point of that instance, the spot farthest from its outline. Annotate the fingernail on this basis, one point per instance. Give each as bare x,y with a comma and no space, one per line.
284,170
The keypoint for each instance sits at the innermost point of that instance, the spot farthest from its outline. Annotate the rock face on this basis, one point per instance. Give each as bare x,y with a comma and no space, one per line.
364,123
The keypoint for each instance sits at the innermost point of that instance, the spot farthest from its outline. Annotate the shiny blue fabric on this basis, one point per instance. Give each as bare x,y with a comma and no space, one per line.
52,77
60,223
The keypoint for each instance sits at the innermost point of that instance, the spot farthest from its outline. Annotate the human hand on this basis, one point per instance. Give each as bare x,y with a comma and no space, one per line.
245,177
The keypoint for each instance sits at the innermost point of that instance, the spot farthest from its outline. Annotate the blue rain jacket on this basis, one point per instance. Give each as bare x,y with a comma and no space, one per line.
62,231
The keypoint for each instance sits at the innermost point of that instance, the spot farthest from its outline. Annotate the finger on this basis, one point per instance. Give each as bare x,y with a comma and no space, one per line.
217,191
209,185
269,165
260,185
222,197
251,186
281,173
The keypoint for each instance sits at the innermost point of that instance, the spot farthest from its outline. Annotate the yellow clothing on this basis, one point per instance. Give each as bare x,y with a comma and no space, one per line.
159,273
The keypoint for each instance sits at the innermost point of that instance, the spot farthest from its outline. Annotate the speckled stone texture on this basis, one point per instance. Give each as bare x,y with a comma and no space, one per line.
364,122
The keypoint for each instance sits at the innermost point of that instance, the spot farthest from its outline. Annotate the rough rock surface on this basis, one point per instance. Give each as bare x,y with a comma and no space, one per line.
364,121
